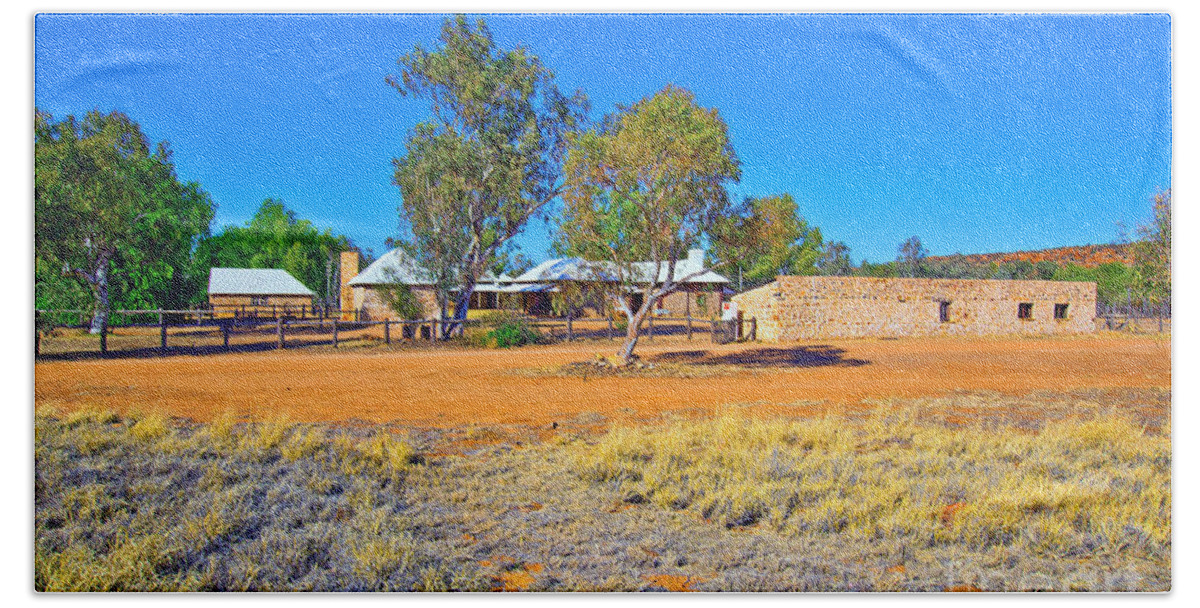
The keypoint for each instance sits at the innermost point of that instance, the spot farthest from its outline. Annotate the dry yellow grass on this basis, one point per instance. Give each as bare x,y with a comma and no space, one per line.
1102,482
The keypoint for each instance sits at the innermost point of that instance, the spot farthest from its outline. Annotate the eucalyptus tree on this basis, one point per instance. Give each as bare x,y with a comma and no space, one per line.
645,188
788,244
488,161
105,200
1152,252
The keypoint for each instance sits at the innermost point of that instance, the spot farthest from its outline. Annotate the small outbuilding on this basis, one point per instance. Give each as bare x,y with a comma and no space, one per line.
257,292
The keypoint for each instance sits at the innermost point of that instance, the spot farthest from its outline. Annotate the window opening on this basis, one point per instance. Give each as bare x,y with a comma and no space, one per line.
1060,311
944,311
1025,310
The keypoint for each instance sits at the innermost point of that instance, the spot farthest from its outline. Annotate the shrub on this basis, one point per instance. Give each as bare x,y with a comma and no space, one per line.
506,331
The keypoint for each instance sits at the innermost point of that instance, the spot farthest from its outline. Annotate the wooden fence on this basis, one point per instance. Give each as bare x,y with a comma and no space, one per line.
330,328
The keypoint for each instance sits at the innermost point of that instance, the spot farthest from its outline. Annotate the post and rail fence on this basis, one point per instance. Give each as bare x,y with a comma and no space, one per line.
226,329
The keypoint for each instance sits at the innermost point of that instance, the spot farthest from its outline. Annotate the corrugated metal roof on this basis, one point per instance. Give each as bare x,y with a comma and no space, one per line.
255,281
576,269
397,266
392,267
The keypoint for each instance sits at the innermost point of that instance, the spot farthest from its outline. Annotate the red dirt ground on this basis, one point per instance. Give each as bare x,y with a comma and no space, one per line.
444,387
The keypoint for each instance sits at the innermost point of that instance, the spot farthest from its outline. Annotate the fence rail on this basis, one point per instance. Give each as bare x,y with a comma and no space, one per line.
206,330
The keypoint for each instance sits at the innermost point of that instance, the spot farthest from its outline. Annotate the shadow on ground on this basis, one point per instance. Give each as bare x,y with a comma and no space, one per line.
820,355
265,340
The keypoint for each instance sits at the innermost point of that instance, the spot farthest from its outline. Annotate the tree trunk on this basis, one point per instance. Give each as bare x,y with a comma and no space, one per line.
633,333
461,305
100,290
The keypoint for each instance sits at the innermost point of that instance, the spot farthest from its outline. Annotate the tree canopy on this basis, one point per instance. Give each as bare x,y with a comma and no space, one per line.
1152,252
276,238
488,161
111,216
784,241
911,256
650,184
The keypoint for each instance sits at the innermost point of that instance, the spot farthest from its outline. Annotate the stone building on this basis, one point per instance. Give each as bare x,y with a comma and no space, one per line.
531,293
257,292
362,292
699,293
798,308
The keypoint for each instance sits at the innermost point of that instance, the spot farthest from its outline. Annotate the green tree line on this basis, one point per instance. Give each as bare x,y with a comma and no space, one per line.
115,228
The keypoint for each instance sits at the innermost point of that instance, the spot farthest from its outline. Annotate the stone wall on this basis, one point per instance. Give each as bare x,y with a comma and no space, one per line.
796,308
688,299
368,300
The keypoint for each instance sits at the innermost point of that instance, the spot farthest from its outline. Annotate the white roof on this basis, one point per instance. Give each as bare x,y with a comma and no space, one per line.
397,266
577,269
255,281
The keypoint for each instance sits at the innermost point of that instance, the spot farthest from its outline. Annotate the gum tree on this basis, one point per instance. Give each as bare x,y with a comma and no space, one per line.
789,245
104,200
1152,253
488,161
648,185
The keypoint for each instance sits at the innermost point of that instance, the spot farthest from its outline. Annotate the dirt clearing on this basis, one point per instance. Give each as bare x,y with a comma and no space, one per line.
444,387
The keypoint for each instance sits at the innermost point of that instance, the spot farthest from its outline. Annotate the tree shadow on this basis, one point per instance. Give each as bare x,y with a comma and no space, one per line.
819,355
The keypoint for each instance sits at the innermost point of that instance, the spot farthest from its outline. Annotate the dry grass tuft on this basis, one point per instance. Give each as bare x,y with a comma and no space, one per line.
1078,484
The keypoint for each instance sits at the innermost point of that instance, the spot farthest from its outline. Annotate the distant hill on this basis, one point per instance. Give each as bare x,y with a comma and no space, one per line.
1088,256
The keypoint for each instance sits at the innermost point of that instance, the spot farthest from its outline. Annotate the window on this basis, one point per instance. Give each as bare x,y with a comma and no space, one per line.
944,312
1060,311
1025,310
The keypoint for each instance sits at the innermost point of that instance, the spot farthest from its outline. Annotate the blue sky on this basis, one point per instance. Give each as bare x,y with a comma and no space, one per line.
977,132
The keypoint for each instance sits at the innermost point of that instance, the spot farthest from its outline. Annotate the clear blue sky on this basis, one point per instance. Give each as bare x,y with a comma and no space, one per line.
977,132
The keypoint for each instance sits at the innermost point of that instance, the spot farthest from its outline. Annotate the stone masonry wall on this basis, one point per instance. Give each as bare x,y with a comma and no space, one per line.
795,308
372,304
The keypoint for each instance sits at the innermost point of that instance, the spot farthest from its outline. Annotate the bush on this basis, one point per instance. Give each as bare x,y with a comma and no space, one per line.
504,329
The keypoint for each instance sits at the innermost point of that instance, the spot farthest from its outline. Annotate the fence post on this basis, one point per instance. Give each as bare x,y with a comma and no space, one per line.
335,328
570,330
689,325
225,333
432,330
387,332
279,330
753,329
162,334
104,336
650,329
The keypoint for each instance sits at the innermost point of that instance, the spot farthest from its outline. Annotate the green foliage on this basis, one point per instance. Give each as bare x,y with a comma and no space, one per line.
766,237
509,330
1152,253
881,271
111,217
1045,269
649,185
511,263
834,260
276,238
400,298
1114,281
911,257
488,162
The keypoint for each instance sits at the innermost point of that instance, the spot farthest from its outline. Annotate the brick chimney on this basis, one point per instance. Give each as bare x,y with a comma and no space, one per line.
348,270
